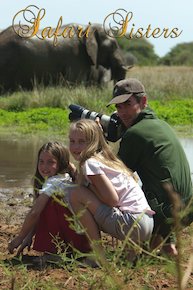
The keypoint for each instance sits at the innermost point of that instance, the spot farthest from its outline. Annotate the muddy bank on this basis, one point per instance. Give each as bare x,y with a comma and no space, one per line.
14,204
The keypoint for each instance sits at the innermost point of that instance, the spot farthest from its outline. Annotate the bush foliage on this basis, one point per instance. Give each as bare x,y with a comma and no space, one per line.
141,52
181,54
138,51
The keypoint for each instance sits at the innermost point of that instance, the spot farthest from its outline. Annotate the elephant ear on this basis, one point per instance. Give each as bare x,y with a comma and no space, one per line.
92,47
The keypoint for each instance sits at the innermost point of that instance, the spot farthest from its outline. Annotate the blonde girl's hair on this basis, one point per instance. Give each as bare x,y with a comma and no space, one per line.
97,146
62,155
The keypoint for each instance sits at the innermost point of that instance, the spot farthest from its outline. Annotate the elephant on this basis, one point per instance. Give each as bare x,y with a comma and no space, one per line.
130,59
100,75
95,59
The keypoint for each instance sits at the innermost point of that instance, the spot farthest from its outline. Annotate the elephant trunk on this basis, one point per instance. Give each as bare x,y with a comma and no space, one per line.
118,69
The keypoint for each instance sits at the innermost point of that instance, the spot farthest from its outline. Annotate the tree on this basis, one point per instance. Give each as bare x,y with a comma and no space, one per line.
140,49
181,54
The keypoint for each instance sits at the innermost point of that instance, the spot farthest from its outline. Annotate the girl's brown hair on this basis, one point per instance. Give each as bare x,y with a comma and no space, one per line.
62,155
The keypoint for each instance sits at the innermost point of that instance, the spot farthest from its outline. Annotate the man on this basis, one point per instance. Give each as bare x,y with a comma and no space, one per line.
150,147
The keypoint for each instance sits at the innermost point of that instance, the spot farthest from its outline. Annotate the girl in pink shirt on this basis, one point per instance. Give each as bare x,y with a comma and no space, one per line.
114,202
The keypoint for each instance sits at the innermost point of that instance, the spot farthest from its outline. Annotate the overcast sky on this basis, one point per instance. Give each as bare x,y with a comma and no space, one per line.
158,14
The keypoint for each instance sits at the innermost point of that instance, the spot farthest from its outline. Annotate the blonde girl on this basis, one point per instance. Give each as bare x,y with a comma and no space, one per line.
114,201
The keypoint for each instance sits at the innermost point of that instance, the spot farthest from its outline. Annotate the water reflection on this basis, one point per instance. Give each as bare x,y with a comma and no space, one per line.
187,144
18,160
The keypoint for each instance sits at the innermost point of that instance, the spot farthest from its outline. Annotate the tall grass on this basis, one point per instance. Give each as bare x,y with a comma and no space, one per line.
170,92
166,83
56,97
161,83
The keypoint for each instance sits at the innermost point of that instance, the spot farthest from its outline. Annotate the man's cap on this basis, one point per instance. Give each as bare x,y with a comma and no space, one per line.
124,89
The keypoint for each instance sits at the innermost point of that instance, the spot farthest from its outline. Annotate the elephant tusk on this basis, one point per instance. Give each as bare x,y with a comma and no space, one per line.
128,67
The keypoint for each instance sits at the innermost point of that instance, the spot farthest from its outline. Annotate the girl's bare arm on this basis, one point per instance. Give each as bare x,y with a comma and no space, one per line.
104,189
30,221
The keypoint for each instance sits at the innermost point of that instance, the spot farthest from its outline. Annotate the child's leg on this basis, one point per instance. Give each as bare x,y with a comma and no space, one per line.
84,203
46,228
53,222
68,232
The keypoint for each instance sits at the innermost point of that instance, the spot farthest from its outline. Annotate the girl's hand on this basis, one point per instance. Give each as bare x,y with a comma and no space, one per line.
73,171
27,242
14,244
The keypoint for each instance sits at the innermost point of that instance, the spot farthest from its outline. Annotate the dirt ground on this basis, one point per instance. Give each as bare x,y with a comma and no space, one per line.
154,275
13,209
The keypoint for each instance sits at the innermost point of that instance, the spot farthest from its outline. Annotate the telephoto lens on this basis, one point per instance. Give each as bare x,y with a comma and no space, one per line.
112,126
79,112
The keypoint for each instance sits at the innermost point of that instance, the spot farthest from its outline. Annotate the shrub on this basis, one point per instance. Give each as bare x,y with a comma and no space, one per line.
181,54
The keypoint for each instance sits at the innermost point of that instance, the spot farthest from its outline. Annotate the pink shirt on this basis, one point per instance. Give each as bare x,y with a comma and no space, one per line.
131,196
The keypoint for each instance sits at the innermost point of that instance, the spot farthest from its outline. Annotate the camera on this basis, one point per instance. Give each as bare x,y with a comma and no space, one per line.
112,125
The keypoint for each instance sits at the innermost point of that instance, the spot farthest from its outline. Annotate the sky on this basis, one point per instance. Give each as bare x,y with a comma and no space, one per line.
165,14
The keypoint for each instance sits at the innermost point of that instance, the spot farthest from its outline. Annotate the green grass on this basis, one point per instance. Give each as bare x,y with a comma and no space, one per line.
35,120
45,110
175,112
48,120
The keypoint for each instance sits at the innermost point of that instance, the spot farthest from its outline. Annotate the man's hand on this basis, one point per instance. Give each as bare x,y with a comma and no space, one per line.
97,120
